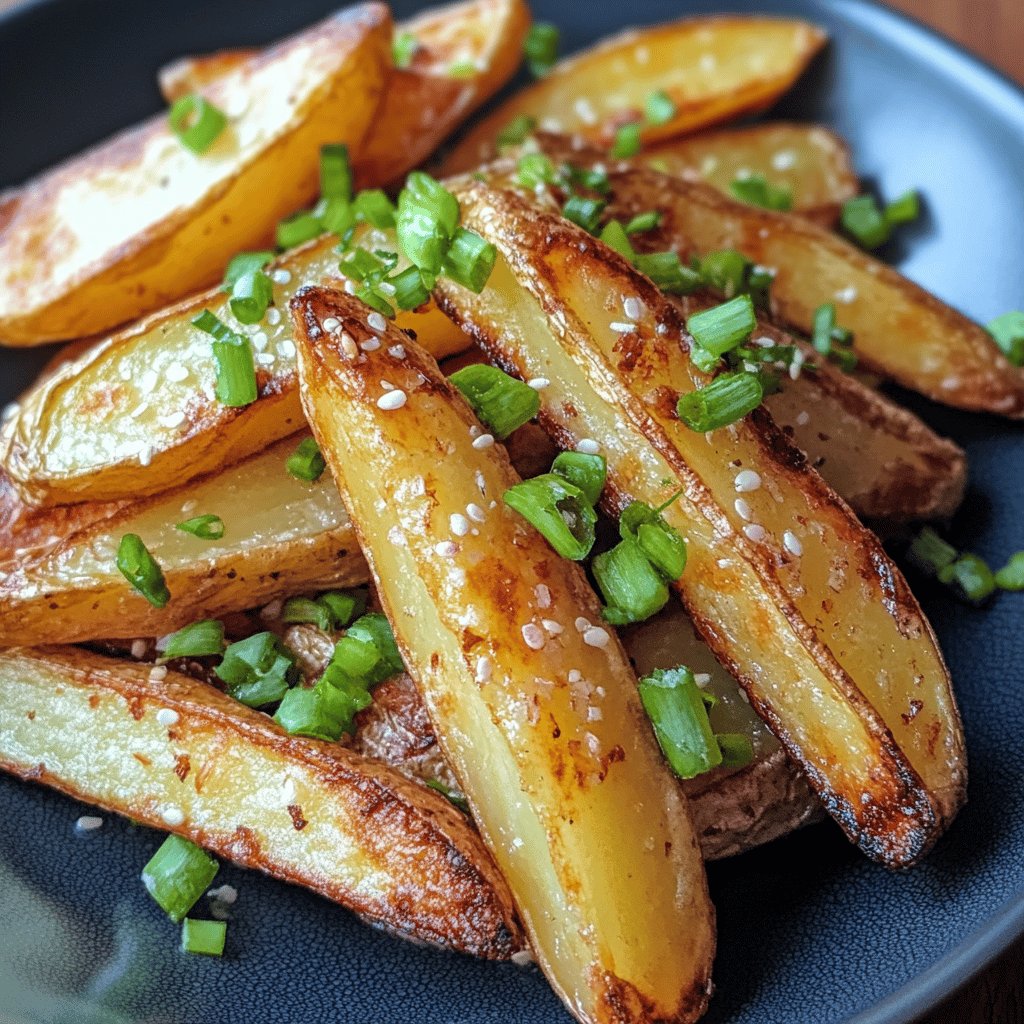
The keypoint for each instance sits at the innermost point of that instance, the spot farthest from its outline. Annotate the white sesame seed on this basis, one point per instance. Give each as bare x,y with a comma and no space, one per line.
273,316
755,532
702,678
574,675
288,790
350,287
847,295
397,351
743,509
532,636
158,673
632,307
190,506
587,446
475,431
176,373
348,345
585,110
146,455
747,480
459,524
139,649
538,383
331,324
621,328
554,628
543,595
370,345
391,400
593,743
483,441
446,548
475,512
483,669
171,420
784,160
803,419
376,322
581,624
594,714
797,364
224,894
167,716
265,358
595,636
744,697
481,482
173,815
281,276
286,348
791,542
88,823
522,958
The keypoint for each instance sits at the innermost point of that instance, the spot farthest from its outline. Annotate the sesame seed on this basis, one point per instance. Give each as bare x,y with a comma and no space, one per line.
350,287
702,678
348,345
158,673
286,348
574,676
167,716
273,316
370,345
481,482
797,364
594,714
446,548
397,351
593,743
744,697
803,419
459,524
743,509
88,823
554,628
190,506
281,276
621,328
391,400
755,532
543,595
173,815
475,512
581,624
538,383
376,322
474,430
522,958
176,373
784,160
171,420
533,637
595,636
146,455
847,295
483,441
585,110
483,669
139,648
264,358
331,323
224,894
632,307
587,446
747,480
791,542
148,381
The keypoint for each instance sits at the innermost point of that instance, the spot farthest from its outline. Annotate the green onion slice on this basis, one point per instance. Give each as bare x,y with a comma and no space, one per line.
614,235
661,543
659,108
904,209
627,141
470,260
251,294
206,937
306,462
584,212
412,288
205,527
1011,576
722,328
541,48
501,403
236,371
305,610
141,570
177,875
737,749
633,591
666,270
756,190
728,398
196,122
646,221
865,222
970,576
374,206
335,172
558,510
535,169
258,670
1008,332
298,228
403,49
343,605
199,640
587,472
676,708
245,263
516,131
453,797
428,215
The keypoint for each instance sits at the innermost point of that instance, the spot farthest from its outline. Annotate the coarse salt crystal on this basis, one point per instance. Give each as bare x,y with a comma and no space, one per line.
574,675
594,714
483,669
747,480
391,400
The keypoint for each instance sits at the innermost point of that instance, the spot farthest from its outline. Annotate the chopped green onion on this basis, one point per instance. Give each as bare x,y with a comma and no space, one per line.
428,215
360,264
666,270
661,543
541,48
865,222
343,605
720,329
659,108
737,749
298,228
462,69
1011,576
584,212
310,711
588,177
446,791
205,527
375,630
587,472
675,706
411,288
199,640
930,553
403,49
374,206
245,263
758,285
306,462
627,141
177,875
826,335
206,937
646,221
613,234
236,371
140,569
516,131
196,122
971,576
904,209
251,294
501,403
335,216
335,172
535,169
258,670
470,260
1008,332
728,398
756,190
304,610
558,510
725,271
632,589
373,298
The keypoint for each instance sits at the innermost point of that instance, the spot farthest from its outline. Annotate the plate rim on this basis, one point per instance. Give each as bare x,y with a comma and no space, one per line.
961,965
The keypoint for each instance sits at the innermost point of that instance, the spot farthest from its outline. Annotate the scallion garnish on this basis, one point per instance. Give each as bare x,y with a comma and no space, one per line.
737,749
659,108
593,178
666,270
559,510
236,371
613,234
904,209
756,190
141,570
428,215
541,48
462,69
970,576
728,398
245,263
403,49
725,270
310,711
374,206
412,288
1008,332
470,260
298,228
362,265
516,131
720,329
831,340
343,605
660,543
205,937
446,791
535,169
198,640
633,591
306,462
373,298
205,527
305,610
335,172
177,875
627,141
336,217
676,708
196,122
258,670
646,221
1011,576
501,402
251,294
587,472
584,212
871,226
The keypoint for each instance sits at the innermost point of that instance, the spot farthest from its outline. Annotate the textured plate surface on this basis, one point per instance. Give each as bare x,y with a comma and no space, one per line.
809,932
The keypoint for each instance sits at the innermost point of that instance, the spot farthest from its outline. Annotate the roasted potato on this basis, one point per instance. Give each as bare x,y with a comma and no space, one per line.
422,103
176,754
563,777
792,594
141,220
281,536
810,160
712,69
135,413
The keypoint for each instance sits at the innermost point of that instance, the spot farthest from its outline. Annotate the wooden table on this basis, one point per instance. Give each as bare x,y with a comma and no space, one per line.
994,29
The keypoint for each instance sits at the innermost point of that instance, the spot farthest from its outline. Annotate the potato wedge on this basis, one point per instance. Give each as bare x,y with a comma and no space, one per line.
231,780
135,413
713,69
282,536
141,220
423,103
792,594
810,160
580,812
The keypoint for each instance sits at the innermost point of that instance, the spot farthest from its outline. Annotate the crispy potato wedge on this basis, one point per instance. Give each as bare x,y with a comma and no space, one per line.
282,535
714,70
792,594
423,103
141,220
135,413
231,780
580,812
810,160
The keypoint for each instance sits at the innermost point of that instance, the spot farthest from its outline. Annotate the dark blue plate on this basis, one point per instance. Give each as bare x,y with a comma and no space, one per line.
808,930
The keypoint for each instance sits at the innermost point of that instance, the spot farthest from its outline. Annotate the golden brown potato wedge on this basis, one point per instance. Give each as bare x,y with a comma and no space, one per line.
570,792
141,220
422,103
176,754
713,69
810,160
281,536
792,594
135,413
